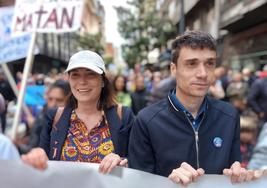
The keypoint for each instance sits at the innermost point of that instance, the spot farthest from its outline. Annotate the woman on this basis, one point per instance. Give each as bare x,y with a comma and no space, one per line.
89,129
122,96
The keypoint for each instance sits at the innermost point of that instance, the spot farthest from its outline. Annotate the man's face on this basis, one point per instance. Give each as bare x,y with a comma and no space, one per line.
194,71
140,84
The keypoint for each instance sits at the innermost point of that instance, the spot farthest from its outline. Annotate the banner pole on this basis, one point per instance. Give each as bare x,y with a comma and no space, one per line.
12,83
26,71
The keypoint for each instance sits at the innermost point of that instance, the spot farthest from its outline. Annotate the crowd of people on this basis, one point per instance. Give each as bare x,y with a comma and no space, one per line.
172,126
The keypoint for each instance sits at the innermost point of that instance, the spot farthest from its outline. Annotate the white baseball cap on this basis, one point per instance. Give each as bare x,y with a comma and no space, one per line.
86,59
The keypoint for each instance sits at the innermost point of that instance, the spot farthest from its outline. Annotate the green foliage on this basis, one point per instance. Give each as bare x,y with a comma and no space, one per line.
90,42
144,29
108,60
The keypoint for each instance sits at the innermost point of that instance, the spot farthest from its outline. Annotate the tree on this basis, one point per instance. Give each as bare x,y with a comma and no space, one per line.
90,42
144,29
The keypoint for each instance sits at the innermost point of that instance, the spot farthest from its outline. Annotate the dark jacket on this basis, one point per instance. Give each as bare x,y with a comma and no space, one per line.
162,138
35,132
139,100
257,96
52,139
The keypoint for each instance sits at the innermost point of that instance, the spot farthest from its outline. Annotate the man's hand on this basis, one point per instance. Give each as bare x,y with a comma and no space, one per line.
239,174
185,174
110,162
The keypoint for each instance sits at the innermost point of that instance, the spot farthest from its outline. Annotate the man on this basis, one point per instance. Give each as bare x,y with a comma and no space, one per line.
257,96
140,95
189,134
8,94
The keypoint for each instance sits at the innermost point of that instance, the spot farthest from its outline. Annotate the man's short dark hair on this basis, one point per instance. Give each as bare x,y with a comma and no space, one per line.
194,40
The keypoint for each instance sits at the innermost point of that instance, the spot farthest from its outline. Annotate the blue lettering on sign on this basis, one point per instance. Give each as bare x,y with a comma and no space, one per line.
5,24
11,48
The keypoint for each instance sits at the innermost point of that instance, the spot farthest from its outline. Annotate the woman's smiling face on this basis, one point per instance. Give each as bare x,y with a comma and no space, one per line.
86,85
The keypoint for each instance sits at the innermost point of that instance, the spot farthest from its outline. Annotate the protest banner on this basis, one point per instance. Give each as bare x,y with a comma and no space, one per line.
12,48
47,16
84,175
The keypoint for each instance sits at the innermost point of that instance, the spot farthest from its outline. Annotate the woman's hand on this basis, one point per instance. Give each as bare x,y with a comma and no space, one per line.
36,158
110,162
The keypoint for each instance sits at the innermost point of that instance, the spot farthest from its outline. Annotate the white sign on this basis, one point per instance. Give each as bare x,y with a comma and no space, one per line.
11,48
84,175
47,16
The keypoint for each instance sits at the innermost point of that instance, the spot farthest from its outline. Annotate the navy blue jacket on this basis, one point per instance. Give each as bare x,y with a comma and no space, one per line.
52,139
257,96
162,138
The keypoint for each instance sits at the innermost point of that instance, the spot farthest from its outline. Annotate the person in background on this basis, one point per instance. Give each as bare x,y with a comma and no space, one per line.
148,75
2,108
188,133
56,96
140,96
7,150
122,96
8,94
130,85
216,89
248,76
237,87
257,98
39,79
91,127
248,135
259,156
157,77
162,90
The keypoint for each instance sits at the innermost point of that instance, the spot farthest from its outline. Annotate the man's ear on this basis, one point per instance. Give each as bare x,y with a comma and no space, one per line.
173,69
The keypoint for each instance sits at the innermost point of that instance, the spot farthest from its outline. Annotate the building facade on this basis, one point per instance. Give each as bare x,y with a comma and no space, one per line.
240,27
245,44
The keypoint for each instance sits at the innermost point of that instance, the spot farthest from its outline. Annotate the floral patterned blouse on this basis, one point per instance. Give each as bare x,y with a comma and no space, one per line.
81,145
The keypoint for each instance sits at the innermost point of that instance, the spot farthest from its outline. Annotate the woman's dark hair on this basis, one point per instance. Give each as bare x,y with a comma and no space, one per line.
61,84
124,89
106,100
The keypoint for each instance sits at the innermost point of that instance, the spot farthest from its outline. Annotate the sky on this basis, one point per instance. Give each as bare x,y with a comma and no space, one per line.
111,20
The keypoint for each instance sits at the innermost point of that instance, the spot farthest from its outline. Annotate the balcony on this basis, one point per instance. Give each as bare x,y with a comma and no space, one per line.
240,15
